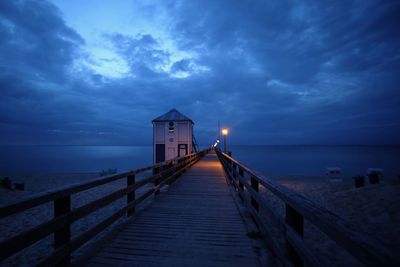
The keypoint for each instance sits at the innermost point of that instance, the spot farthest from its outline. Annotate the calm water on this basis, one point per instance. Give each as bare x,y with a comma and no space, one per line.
313,160
269,160
46,159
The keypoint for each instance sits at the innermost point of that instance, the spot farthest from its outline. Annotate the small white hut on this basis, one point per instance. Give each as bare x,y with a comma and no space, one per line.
172,136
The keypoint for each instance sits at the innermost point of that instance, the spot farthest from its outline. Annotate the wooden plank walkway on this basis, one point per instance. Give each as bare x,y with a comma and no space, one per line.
194,223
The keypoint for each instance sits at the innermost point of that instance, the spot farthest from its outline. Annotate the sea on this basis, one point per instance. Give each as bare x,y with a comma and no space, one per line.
267,160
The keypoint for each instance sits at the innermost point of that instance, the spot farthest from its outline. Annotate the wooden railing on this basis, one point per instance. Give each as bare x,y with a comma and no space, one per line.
163,173
285,236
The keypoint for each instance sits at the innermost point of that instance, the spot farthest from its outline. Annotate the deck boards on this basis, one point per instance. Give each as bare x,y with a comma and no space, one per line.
194,223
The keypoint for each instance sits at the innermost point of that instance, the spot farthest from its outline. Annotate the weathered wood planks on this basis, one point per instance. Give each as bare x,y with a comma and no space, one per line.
194,223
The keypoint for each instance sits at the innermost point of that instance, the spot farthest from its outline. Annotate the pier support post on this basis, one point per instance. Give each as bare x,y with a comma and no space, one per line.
130,180
296,221
62,236
233,170
171,171
241,174
254,185
157,170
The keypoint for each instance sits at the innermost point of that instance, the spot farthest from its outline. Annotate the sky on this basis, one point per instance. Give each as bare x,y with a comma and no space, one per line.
274,72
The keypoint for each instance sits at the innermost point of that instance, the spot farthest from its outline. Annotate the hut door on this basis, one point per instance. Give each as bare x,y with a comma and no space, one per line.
182,150
160,153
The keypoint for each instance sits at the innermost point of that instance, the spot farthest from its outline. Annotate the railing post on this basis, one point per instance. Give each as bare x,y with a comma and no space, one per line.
229,169
155,170
254,185
130,180
157,181
63,235
171,171
241,185
233,171
296,221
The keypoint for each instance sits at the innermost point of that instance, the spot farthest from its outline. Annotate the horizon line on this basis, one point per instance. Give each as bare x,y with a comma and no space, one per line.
232,145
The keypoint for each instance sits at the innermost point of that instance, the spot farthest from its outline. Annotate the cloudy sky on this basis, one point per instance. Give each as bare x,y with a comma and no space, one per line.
275,72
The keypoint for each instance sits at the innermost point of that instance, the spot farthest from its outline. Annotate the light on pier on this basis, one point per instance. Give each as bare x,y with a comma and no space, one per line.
225,134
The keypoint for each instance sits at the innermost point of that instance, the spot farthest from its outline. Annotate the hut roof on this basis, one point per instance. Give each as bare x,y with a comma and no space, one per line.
172,115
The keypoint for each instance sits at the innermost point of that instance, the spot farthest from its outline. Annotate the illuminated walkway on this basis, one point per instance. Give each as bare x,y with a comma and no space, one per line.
194,223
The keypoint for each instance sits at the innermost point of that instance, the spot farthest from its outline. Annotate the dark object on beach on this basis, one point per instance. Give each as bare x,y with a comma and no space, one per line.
359,181
374,178
108,172
6,183
19,186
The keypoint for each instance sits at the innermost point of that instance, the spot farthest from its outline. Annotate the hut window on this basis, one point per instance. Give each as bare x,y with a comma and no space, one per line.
171,127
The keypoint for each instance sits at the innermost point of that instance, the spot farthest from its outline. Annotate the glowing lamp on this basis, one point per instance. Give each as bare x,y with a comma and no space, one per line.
225,134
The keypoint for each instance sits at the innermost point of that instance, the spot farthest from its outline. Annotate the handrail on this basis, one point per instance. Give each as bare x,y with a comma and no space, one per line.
163,173
47,196
366,249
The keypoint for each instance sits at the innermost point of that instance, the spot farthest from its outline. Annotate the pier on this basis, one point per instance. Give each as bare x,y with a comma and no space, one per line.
193,220
195,223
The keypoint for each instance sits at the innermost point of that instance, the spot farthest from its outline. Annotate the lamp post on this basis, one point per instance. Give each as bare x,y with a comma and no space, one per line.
225,134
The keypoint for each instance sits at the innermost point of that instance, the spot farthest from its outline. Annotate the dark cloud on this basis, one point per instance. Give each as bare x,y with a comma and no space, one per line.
36,43
275,72
37,53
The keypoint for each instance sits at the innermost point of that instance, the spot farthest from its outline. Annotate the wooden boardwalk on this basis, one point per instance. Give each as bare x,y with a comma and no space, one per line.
195,223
